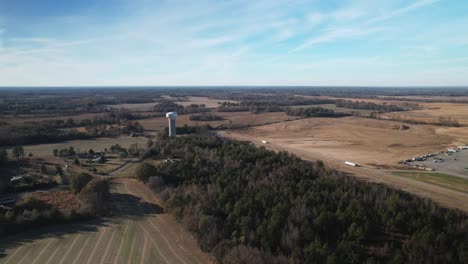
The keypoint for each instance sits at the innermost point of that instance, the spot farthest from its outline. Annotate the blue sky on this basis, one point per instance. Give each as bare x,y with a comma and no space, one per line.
244,42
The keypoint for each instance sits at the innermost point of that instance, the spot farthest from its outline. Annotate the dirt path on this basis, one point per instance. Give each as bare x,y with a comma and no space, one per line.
139,232
441,195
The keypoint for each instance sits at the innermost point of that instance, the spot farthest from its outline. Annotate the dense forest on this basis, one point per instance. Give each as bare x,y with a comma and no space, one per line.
244,202
314,112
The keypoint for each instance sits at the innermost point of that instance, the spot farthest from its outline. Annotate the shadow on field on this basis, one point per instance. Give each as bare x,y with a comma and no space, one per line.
122,206
131,206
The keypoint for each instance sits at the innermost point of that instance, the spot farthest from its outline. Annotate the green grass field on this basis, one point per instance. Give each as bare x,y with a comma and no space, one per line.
436,178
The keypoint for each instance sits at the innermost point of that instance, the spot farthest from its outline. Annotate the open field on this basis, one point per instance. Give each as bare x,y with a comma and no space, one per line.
366,141
98,144
209,102
432,112
134,107
230,118
139,232
335,108
444,180
24,119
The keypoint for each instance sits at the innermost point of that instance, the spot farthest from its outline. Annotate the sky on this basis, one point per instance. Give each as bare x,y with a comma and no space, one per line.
234,42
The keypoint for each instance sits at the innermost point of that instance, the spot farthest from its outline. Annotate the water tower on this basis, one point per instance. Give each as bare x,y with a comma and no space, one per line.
172,126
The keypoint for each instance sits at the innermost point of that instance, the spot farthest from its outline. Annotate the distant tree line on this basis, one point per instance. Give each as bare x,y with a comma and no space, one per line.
206,117
165,105
29,134
43,132
314,112
368,106
441,121
250,204
259,103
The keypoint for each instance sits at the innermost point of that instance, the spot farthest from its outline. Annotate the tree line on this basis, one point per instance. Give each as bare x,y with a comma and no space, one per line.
314,112
369,106
206,117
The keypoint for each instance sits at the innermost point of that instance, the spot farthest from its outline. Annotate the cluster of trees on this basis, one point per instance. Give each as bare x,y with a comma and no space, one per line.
244,202
118,117
65,152
33,134
45,132
31,212
206,117
3,156
165,106
257,103
314,112
132,127
448,121
368,105
184,130
29,182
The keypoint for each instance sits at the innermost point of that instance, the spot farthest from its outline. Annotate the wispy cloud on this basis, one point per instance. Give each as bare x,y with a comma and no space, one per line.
401,11
229,42
337,34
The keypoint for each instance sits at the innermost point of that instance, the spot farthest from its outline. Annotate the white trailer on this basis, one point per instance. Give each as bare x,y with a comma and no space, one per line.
351,164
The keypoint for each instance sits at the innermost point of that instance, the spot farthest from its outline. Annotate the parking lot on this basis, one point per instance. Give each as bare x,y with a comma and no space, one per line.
454,164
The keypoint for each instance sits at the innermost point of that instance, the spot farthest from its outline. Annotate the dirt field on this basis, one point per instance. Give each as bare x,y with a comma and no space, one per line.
139,233
98,144
365,141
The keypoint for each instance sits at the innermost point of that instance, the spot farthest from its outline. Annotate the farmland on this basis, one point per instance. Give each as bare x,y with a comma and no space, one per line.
98,144
433,111
139,233
209,102
138,230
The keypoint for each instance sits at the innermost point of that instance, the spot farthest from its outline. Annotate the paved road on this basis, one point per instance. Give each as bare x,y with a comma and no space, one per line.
139,232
